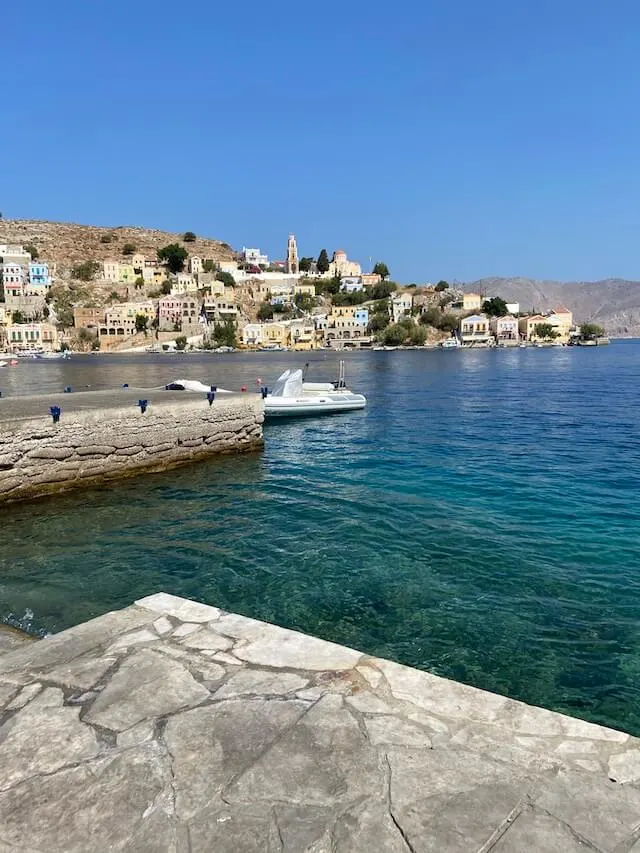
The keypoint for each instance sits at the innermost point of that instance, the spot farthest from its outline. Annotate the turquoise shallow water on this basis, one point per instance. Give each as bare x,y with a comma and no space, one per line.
480,519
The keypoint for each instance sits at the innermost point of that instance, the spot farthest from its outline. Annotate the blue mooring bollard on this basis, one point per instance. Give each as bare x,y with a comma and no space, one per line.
211,396
125,385
67,389
143,405
264,391
55,413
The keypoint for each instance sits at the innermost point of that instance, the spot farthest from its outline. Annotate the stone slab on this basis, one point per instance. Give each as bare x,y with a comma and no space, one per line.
173,727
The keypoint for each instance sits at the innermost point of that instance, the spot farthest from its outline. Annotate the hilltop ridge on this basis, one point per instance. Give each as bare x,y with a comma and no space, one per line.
67,243
613,303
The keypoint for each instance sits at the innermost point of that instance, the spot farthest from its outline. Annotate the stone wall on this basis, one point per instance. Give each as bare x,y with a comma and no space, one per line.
112,438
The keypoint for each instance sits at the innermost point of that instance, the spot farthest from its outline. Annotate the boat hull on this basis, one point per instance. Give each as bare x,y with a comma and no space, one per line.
302,407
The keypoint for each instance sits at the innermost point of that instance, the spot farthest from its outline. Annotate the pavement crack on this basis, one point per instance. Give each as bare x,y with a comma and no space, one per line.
285,731
161,729
394,819
278,830
581,839
502,828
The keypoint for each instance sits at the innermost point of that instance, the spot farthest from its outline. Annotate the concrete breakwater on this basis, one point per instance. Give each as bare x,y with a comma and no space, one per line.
105,435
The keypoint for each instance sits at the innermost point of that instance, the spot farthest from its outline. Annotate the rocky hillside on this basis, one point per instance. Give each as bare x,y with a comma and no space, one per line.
67,244
613,302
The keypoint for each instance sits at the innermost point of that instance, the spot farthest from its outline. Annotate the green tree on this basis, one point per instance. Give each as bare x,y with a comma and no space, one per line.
189,237
32,251
382,270
174,255
322,263
442,285
226,278
418,336
546,331
208,265
106,238
431,316
139,283
383,290
265,311
304,301
378,321
495,307
129,249
85,271
448,323
224,334
18,317
181,342
395,335
305,264
142,321
165,287
590,331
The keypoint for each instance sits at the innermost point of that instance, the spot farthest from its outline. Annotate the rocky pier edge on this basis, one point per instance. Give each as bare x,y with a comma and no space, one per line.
174,727
105,435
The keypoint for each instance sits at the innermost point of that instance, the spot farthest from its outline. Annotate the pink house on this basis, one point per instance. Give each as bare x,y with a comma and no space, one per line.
169,312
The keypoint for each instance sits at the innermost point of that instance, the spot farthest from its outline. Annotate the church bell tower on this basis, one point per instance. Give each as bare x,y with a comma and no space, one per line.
292,255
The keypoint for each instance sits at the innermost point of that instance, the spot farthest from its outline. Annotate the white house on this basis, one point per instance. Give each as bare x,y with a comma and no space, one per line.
351,284
475,329
252,334
400,305
254,257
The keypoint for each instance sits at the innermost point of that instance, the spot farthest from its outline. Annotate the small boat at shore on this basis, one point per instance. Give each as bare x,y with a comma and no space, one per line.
193,385
451,343
291,396
52,356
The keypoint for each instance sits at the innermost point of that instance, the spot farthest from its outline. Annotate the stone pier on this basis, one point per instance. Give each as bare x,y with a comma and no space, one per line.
105,435
174,727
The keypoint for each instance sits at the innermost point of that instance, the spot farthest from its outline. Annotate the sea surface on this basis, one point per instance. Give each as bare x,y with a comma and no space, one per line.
480,519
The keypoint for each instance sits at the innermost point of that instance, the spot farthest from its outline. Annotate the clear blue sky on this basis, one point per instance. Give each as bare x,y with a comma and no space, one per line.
450,138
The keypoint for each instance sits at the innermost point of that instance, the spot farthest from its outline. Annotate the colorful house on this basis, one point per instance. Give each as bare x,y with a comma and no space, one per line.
505,329
39,277
303,334
475,329
25,336
562,321
527,326
471,302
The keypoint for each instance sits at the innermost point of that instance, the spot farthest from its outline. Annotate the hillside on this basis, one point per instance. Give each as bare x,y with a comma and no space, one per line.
613,302
67,244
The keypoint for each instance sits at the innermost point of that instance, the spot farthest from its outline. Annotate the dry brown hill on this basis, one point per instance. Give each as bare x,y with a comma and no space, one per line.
67,244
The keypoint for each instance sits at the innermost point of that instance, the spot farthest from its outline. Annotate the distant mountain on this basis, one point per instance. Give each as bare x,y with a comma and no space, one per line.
613,302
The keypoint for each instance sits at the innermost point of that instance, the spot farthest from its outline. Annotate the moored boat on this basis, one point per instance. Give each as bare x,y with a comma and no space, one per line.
292,397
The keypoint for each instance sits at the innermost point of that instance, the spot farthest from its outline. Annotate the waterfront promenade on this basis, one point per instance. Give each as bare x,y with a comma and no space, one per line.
173,727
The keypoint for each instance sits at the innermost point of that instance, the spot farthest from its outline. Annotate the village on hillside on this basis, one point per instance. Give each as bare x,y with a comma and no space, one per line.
122,299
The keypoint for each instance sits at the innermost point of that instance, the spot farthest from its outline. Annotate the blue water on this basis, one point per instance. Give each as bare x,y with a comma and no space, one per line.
479,519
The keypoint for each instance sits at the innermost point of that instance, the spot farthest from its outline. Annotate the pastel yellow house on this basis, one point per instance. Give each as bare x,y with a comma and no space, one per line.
308,289
303,334
527,326
562,321
471,302
475,329
127,273
275,334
